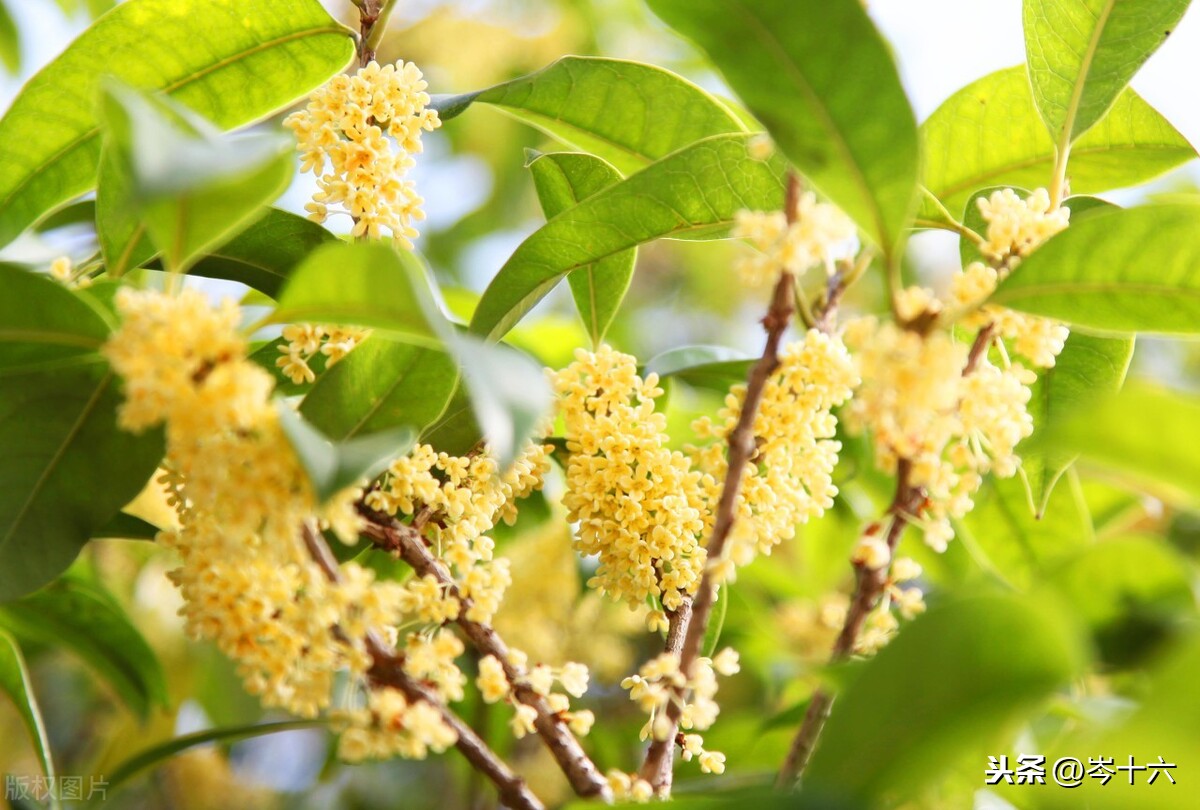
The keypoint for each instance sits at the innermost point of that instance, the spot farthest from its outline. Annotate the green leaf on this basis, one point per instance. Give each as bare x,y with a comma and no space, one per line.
997,658
10,41
381,384
124,243
1147,435
66,470
822,81
79,615
14,680
1082,53
696,190
713,367
158,753
1121,270
264,255
989,134
1133,593
456,431
363,284
332,467
563,179
1087,367
230,62
43,322
193,188
627,113
124,526
508,392
716,624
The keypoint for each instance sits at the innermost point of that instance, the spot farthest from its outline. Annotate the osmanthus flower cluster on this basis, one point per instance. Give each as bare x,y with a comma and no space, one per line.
815,236
306,340
357,136
939,405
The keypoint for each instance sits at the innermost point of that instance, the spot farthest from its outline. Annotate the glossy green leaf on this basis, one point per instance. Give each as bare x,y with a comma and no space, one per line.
1082,53
264,254
810,70
124,243
10,41
508,392
124,526
563,179
192,187
1146,435
627,113
364,284
456,431
14,680
1132,592
87,620
331,466
698,189
712,367
989,134
66,470
382,384
1088,367
997,658
159,753
42,322
230,62
1121,270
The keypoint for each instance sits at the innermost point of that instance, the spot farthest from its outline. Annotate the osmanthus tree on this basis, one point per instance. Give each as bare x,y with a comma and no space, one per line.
336,488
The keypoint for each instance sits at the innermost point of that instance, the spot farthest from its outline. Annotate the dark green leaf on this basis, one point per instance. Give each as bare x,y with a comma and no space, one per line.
192,187
809,69
996,658
264,255
713,367
1082,54
231,63
124,526
381,384
14,680
626,113
124,243
66,470
562,180
989,134
696,190
716,623
1120,270
1088,367
364,284
43,322
86,619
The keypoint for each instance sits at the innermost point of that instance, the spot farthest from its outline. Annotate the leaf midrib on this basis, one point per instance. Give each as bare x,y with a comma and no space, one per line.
85,414
770,41
1067,135
168,89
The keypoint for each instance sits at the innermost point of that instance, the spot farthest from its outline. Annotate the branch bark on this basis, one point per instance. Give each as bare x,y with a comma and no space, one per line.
581,772
387,669
657,766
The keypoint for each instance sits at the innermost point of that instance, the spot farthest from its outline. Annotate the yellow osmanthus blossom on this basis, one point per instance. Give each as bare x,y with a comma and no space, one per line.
881,624
639,505
248,582
789,477
952,428
660,682
306,340
1015,229
357,136
63,270
817,237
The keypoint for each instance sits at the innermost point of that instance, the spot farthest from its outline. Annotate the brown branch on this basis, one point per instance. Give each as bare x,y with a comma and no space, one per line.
387,669
657,766
742,447
369,12
979,348
581,772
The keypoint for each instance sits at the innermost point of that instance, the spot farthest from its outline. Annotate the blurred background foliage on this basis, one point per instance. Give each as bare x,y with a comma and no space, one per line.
1110,569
